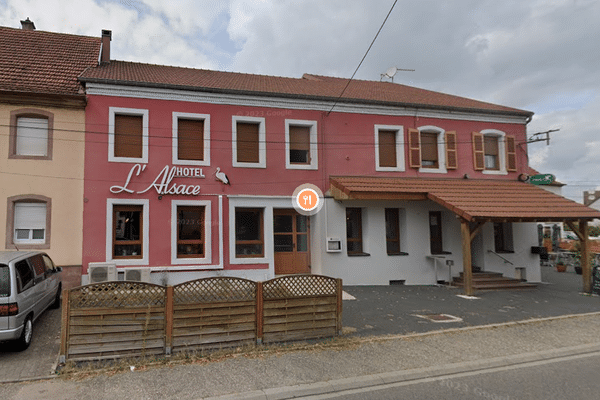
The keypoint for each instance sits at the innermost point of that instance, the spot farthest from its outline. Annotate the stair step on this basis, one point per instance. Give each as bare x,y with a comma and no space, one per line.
491,281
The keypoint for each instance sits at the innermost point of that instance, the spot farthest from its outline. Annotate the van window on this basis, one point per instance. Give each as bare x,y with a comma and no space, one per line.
50,267
38,264
24,276
4,281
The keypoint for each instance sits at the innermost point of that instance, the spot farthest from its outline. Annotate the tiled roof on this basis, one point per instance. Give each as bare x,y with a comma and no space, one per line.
471,199
44,62
309,86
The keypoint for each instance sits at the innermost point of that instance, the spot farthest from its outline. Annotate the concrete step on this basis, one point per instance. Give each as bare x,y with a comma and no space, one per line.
493,281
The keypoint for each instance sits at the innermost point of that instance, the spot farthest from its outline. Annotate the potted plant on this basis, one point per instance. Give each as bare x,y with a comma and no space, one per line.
561,266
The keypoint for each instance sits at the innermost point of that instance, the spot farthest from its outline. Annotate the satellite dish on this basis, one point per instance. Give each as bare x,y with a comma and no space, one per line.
391,72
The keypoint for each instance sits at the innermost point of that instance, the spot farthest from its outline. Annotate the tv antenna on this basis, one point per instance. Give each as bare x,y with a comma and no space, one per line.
542,136
393,71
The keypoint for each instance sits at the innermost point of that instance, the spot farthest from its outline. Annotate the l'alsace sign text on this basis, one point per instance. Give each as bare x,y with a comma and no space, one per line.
162,183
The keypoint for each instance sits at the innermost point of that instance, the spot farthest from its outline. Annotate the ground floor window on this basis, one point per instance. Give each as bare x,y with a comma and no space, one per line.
28,222
249,232
354,241
128,231
190,231
392,231
503,237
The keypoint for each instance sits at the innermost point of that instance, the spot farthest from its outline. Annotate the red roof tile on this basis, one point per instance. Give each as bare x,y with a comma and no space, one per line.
469,198
309,86
44,62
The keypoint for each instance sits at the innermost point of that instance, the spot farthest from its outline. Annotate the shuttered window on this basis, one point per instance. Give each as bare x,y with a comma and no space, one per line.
190,139
429,150
128,136
490,144
478,151
299,144
29,223
32,136
387,148
511,154
451,150
247,142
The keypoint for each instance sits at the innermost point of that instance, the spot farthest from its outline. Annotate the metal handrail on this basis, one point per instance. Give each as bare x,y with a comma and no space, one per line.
505,260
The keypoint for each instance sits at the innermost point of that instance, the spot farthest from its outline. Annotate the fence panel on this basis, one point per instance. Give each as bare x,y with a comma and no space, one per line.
300,307
214,312
113,319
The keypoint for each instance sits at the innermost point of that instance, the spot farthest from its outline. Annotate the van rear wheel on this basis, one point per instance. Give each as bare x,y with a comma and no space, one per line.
25,340
56,303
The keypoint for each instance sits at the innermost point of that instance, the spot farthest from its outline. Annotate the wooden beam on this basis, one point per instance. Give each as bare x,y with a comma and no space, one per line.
575,230
586,266
475,231
465,231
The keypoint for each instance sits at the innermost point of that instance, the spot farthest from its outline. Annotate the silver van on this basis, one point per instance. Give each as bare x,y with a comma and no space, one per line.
29,284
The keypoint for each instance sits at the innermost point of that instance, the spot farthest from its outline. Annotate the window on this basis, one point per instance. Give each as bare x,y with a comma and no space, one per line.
503,237
24,275
301,144
392,231
249,233
190,230
31,132
28,224
389,148
435,233
431,149
127,231
191,139
249,146
493,152
128,135
354,240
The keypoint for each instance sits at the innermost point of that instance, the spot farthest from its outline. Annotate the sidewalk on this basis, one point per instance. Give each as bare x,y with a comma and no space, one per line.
372,361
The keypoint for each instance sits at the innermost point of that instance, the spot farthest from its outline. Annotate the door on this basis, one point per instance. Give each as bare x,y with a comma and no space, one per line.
435,232
291,242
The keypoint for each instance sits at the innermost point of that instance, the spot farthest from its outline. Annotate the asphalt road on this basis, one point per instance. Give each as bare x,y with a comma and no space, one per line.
572,377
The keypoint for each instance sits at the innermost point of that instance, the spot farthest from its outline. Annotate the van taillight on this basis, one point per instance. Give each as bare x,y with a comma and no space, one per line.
7,310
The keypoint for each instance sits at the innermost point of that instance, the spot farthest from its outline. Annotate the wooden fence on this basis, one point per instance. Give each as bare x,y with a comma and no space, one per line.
115,319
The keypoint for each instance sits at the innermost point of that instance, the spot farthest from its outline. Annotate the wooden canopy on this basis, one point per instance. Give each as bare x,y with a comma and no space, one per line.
477,202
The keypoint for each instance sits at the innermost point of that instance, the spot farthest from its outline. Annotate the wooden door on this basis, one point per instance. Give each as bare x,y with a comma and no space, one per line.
291,234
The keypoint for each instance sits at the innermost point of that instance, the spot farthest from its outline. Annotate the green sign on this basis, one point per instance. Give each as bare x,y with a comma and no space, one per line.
542,179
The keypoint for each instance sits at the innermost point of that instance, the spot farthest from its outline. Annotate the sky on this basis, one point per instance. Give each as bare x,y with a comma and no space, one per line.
537,55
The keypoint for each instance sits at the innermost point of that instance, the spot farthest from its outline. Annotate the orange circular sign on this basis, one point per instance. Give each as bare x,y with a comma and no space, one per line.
307,199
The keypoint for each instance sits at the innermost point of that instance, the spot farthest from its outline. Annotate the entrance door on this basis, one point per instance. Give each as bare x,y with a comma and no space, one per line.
435,232
291,242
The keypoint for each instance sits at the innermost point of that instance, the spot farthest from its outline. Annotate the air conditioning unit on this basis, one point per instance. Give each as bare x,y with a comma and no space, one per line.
137,274
102,272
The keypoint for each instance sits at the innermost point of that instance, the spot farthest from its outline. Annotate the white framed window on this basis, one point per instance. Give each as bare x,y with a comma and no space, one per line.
494,152
433,149
191,139
127,231
301,144
28,222
249,142
127,135
389,148
190,232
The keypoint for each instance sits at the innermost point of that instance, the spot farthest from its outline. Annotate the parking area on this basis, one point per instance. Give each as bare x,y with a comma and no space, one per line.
376,310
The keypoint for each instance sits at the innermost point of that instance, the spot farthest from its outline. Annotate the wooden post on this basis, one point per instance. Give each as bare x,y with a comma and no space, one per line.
259,312
465,231
169,311
586,267
338,314
64,327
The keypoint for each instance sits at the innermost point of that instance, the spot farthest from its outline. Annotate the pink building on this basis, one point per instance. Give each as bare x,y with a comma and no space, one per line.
191,173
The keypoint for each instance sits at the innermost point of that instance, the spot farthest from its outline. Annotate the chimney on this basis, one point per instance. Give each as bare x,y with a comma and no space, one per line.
105,49
27,25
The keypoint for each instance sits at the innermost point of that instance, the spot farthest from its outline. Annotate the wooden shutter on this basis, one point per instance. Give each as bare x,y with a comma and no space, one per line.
511,154
247,142
190,139
478,152
414,148
387,148
128,135
451,151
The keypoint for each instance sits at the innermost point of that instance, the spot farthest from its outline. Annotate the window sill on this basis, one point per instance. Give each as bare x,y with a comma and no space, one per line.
441,253
359,255
505,251
398,254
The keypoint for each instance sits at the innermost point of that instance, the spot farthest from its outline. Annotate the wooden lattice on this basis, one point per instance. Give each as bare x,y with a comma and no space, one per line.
299,286
218,289
117,294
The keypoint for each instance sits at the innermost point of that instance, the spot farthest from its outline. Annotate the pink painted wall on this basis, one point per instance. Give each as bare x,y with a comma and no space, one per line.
346,147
